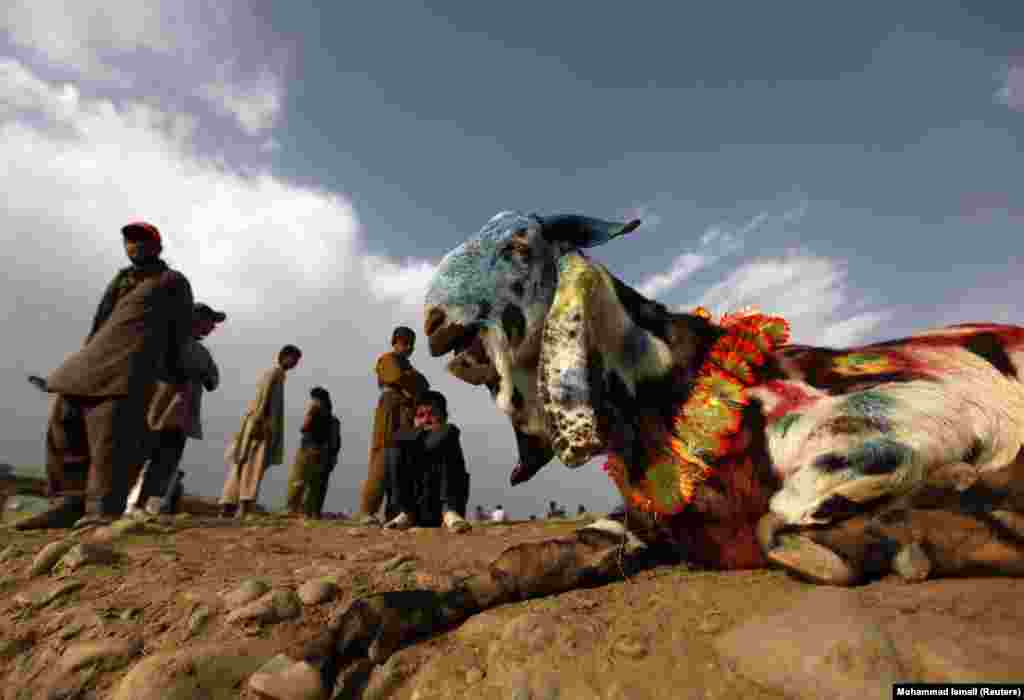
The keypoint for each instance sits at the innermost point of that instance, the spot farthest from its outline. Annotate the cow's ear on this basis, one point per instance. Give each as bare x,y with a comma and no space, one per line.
592,356
583,231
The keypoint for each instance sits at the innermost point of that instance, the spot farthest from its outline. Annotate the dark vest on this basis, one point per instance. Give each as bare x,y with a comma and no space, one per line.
319,434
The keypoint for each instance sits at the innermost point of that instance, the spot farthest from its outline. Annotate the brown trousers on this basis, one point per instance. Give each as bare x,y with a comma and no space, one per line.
393,413
244,479
372,495
99,452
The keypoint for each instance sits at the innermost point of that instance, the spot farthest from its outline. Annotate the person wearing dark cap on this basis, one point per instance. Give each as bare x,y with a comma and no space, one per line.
399,385
259,442
97,436
160,483
306,478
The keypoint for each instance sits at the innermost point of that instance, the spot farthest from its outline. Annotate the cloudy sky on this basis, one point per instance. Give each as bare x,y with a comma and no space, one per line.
854,166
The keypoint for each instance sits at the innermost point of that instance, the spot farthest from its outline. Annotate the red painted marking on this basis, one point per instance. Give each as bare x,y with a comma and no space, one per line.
791,396
724,538
1011,337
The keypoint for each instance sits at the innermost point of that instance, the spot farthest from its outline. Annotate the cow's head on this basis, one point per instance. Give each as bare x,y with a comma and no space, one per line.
560,343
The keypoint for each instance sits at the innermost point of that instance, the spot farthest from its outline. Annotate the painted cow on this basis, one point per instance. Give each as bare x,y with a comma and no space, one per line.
731,448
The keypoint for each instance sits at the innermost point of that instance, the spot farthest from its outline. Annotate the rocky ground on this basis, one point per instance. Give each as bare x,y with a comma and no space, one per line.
190,607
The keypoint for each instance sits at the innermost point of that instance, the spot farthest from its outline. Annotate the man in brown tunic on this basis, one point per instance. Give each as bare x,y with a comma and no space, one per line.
259,442
97,438
400,384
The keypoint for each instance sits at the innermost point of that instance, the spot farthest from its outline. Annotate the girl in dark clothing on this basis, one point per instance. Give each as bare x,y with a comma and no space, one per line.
305,482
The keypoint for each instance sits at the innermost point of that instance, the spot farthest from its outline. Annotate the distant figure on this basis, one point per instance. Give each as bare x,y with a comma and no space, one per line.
533,516
333,454
97,437
306,480
427,481
581,510
479,515
554,511
498,515
160,483
399,384
259,442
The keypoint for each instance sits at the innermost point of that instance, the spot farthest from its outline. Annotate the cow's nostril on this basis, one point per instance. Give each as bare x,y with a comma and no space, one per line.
435,319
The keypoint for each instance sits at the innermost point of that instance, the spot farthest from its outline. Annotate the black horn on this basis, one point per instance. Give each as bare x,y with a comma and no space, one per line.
584,231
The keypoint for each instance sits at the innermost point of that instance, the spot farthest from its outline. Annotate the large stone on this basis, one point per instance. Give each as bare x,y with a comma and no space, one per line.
48,556
248,590
118,529
198,619
827,645
384,679
396,562
275,606
210,672
88,553
317,591
282,678
108,654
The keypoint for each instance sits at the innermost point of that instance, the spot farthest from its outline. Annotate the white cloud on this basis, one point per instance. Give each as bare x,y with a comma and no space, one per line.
403,283
254,103
811,292
716,243
170,48
100,162
681,268
84,36
1011,93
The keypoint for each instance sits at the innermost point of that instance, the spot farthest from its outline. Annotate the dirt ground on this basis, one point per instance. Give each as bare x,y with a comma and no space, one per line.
651,636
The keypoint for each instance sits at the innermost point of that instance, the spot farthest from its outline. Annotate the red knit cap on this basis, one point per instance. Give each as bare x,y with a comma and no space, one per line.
142,229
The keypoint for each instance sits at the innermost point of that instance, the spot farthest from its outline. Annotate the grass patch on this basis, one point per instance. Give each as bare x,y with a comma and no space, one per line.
362,585
103,571
135,539
23,613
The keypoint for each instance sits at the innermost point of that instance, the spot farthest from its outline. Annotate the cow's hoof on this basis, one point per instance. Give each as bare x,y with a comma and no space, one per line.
810,560
911,563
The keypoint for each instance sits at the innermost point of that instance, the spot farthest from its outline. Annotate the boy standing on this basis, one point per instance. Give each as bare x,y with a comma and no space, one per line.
399,384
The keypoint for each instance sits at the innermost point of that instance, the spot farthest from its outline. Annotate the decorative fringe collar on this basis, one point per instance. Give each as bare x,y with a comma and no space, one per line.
706,426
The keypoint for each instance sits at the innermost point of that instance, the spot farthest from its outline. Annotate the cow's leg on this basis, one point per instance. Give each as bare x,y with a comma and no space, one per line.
914,543
949,543
376,626
962,522
841,554
958,520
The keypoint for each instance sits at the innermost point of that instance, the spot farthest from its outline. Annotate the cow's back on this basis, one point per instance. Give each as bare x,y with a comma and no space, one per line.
846,427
